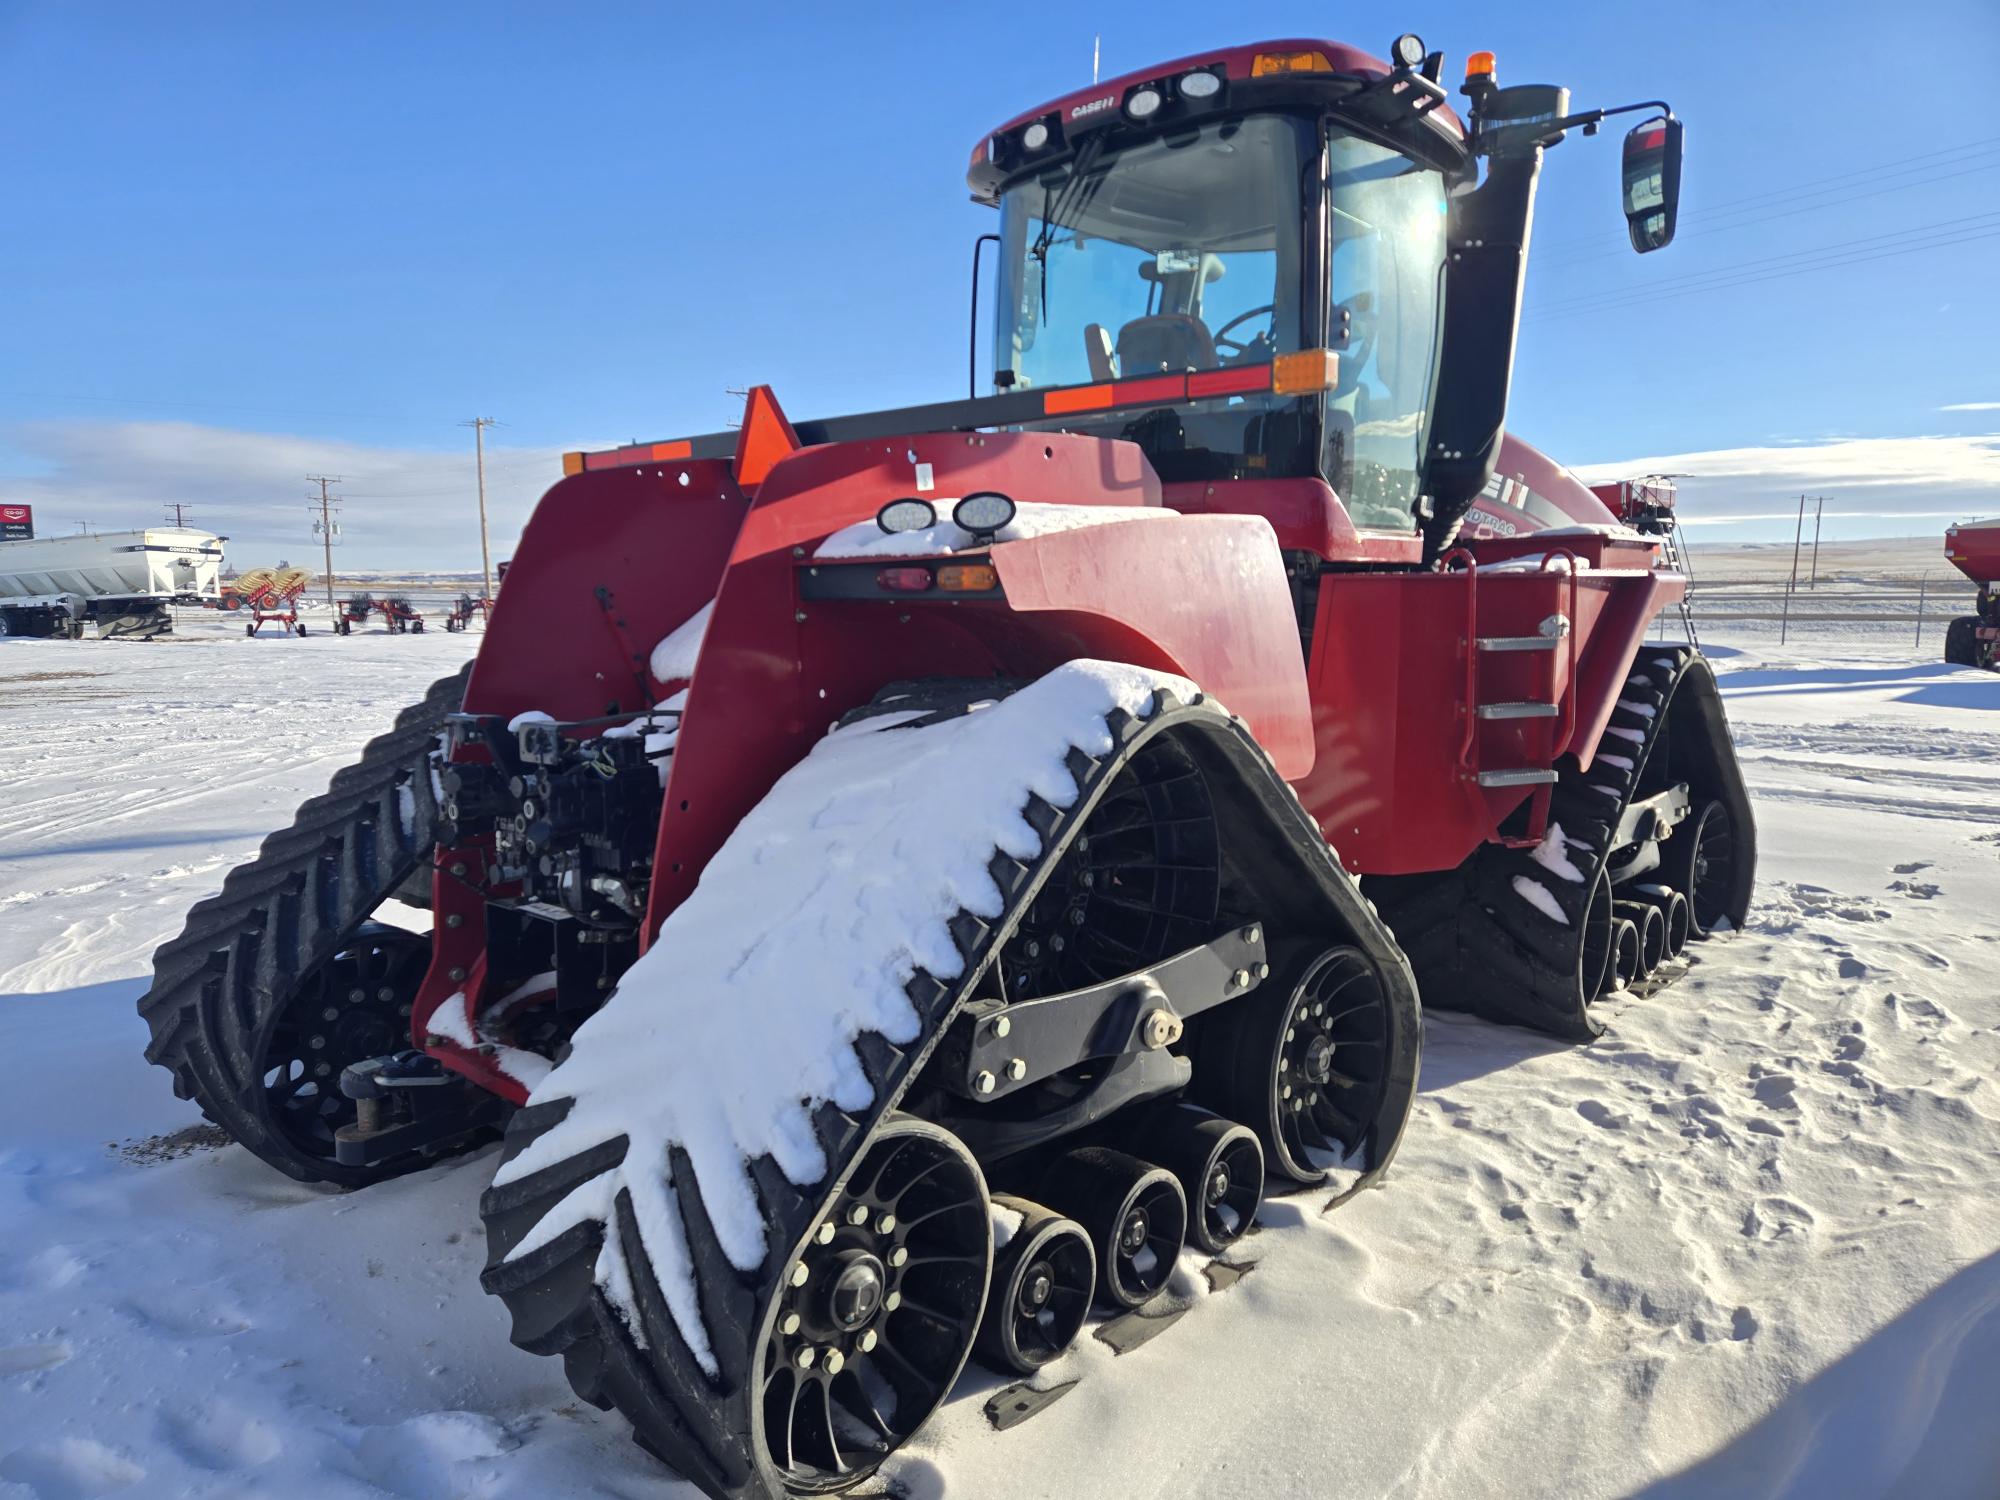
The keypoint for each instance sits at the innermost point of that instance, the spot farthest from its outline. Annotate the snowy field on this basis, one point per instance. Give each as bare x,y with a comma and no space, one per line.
1748,1244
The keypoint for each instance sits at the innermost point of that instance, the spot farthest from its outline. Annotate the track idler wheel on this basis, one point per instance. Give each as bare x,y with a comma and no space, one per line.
1652,929
1302,1060
873,1319
1673,909
1135,1215
1043,1280
1624,966
1703,866
1219,1164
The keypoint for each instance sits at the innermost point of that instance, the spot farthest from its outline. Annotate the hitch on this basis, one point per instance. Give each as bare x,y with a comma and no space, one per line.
407,1101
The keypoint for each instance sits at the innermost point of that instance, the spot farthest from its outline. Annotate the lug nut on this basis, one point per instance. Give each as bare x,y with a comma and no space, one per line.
824,1234
891,1302
331,1013
355,997
886,1223
834,1361
799,1274
806,1357
1017,1069
898,1256
789,1323
868,1340
385,994
1001,1026
858,1215
982,1082
1286,1093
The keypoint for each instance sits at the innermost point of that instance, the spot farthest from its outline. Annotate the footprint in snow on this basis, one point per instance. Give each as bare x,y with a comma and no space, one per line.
1916,890
1602,1115
1776,1090
1852,967
1912,867
1770,1219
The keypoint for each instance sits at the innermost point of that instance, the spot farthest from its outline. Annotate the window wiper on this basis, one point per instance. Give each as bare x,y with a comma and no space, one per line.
1065,203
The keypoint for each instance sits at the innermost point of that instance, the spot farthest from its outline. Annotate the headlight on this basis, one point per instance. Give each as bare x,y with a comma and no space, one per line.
1407,49
1036,135
1200,85
906,515
982,514
1144,103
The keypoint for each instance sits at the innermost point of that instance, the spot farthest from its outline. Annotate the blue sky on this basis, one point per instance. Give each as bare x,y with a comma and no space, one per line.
249,241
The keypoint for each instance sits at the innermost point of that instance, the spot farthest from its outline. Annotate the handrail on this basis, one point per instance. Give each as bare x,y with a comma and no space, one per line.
1566,698
1466,768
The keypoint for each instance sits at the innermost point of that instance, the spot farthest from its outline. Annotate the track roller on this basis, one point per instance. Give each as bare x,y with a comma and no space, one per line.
1651,923
1134,1213
1673,909
1043,1278
1624,966
1219,1164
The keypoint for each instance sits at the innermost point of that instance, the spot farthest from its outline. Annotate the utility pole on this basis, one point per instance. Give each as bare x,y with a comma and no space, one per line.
479,426
326,526
1785,621
1819,511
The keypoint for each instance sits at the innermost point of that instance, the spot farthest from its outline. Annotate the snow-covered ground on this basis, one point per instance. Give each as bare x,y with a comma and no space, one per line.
1747,1244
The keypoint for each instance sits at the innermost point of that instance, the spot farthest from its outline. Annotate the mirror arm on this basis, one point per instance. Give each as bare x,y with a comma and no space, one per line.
1590,119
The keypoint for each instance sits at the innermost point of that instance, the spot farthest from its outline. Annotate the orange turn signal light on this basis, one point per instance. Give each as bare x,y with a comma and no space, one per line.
1268,64
967,578
572,463
1308,370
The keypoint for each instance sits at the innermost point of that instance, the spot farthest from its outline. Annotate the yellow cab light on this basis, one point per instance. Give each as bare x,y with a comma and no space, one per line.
1266,64
1308,370
1479,65
572,463
967,578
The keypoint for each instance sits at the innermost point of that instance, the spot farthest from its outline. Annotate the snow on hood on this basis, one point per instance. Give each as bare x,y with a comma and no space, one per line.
741,1018
866,539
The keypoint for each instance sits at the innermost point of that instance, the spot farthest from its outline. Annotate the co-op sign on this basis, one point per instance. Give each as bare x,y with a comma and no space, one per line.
17,523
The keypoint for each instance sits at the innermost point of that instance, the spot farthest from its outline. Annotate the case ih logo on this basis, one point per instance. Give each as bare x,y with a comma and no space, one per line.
1093,107
17,523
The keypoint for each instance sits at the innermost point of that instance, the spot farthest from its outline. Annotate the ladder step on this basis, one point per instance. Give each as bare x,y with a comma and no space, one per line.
1518,643
1528,776
1518,710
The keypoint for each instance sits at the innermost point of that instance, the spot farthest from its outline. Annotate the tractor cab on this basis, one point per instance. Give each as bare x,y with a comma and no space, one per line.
1302,231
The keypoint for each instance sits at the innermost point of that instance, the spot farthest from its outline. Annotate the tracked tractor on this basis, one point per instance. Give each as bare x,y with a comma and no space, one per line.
901,884
1973,640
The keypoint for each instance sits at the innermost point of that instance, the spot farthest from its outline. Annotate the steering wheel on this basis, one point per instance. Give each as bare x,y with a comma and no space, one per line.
1240,347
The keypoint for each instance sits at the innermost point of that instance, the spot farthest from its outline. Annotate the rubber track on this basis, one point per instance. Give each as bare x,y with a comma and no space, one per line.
704,1428
281,915
1477,945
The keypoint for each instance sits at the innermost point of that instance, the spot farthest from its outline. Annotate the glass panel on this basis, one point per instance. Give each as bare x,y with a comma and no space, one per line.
1387,227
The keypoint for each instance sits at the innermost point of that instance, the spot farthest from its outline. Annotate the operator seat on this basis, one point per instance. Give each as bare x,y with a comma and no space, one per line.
1174,338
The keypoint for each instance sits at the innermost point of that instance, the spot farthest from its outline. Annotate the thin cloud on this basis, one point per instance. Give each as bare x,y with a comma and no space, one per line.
1972,406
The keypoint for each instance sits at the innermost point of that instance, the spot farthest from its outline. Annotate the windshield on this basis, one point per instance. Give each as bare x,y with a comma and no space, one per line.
1179,253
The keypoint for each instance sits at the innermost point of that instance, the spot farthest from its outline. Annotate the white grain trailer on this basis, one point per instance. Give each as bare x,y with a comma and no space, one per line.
122,581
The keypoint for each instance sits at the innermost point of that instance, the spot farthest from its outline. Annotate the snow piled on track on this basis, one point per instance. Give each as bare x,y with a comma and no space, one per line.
741,1018
1748,1244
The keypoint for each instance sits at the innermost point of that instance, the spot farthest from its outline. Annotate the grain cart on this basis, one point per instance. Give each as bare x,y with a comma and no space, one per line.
900,880
1973,547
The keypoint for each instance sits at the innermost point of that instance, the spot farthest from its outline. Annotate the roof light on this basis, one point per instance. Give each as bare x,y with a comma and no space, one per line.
983,513
1200,84
967,578
1407,49
1265,64
911,514
1036,135
1479,65
1308,370
1144,103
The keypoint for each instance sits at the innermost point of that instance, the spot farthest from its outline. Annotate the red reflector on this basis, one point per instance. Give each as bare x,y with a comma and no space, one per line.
904,580
1077,398
1154,388
1228,382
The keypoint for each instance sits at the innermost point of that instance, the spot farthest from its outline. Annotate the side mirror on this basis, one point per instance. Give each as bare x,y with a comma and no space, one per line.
1653,182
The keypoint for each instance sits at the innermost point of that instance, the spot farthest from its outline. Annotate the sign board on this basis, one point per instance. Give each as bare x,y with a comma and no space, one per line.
17,523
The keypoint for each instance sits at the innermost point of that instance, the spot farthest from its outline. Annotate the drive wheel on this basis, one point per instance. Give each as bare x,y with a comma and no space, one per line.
873,1319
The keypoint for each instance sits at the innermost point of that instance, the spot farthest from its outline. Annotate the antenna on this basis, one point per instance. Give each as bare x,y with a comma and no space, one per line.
1096,46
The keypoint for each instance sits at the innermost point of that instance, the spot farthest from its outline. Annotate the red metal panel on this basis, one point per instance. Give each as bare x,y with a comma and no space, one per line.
655,546
1305,513
1973,547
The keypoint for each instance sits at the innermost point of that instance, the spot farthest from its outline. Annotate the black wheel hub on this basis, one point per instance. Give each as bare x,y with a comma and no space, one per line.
854,1292
1037,1286
1133,1232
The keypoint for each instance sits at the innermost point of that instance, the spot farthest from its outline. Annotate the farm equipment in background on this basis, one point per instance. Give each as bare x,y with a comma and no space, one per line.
459,617
399,616
1038,810
1973,547
272,595
123,581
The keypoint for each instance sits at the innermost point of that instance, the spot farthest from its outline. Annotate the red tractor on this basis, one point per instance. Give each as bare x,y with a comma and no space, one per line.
901,880
1974,549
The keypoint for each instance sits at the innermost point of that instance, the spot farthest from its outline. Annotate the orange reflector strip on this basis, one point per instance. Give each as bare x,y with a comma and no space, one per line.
1268,63
1234,382
1308,370
572,463
1077,398
668,452
963,578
